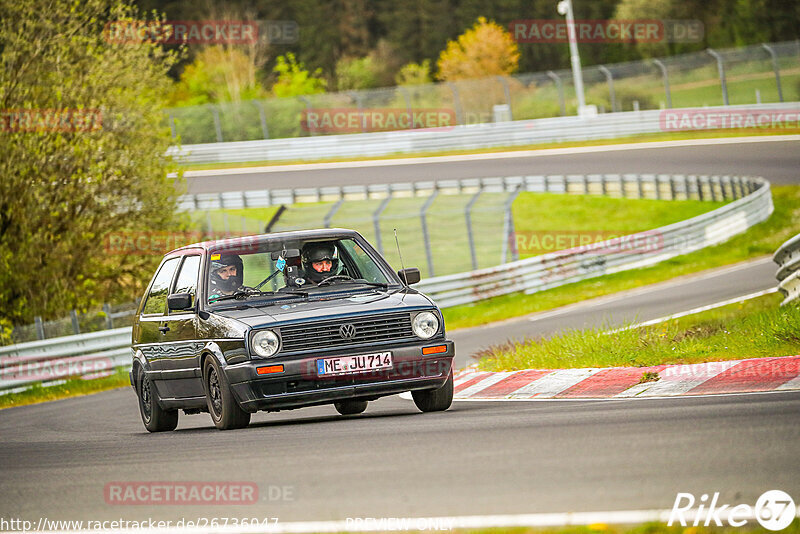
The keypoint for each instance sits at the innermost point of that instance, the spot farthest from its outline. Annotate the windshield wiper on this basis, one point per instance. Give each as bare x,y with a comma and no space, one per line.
240,295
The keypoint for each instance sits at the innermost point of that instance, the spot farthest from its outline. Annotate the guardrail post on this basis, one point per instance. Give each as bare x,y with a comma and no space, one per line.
508,227
553,76
775,67
665,75
217,125
507,93
721,69
39,327
376,221
331,212
610,80
109,318
456,103
424,220
263,116
470,236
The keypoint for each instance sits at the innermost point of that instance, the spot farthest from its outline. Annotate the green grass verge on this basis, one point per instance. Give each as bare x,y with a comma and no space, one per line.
645,138
71,388
762,239
751,329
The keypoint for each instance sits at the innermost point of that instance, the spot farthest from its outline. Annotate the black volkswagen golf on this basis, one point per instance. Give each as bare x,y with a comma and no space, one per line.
282,321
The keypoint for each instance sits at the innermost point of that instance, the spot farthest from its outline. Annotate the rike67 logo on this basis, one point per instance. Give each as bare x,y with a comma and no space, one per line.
774,510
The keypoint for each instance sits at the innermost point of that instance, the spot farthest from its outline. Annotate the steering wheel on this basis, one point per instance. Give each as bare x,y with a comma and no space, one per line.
334,278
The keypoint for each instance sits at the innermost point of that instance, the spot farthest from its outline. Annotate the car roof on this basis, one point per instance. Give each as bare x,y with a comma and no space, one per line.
235,242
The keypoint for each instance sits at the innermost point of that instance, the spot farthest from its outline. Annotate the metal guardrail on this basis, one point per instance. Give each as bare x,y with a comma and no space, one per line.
788,275
97,353
84,355
467,137
638,250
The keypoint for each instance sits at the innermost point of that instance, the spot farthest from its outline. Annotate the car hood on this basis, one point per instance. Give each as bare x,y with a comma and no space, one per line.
257,316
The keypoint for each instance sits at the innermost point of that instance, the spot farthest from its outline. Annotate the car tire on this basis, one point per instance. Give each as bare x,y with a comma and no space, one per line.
154,417
435,400
350,407
225,411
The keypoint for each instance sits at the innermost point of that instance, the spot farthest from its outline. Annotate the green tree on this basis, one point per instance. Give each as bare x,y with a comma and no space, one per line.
356,73
295,80
218,74
415,74
82,155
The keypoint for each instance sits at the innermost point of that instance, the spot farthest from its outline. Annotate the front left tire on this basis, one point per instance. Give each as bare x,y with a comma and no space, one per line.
435,400
225,411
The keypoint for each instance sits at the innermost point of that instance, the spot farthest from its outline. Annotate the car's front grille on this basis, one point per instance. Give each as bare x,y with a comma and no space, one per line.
328,334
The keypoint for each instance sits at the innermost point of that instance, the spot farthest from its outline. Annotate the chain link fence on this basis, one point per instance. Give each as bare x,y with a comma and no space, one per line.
753,74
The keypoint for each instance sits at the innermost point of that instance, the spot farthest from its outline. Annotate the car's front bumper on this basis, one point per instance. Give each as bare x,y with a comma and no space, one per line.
299,384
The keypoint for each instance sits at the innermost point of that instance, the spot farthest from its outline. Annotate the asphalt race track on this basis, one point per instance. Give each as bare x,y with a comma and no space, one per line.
478,458
777,161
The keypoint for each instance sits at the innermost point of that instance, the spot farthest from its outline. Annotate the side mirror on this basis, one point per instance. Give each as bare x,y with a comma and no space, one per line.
179,301
289,253
409,276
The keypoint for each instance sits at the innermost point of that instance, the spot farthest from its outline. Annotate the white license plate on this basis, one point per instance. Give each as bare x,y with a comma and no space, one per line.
354,364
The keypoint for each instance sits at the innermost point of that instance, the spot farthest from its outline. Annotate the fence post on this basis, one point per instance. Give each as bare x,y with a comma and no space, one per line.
508,227
423,219
217,125
456,103
665,75
553,76
263,116
407,100
331,212
73,315
39,327
775,67
470,236
376,221
355,95
507,93
610,80
172,125
109,319
309,107
721,70
208,223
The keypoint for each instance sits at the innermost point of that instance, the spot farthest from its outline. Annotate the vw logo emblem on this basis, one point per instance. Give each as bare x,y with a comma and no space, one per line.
347,331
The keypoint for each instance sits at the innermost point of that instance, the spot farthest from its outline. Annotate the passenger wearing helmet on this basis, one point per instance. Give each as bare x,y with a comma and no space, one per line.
319,261
226,275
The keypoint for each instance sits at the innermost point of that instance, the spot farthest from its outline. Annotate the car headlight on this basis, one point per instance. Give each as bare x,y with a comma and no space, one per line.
266,343
425,325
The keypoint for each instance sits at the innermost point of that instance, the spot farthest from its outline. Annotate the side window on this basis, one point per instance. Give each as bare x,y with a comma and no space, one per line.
187,276
157,298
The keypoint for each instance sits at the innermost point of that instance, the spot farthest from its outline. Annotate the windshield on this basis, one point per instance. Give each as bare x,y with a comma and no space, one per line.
291,269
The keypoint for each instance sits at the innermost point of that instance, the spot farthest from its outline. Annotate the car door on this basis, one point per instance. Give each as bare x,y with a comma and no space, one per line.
181,368
150,323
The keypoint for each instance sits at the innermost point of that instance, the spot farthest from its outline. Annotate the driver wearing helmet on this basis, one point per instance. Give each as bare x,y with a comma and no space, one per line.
319,261
226,275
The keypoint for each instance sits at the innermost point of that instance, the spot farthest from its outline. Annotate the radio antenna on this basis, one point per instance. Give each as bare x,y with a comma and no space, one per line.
402,266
